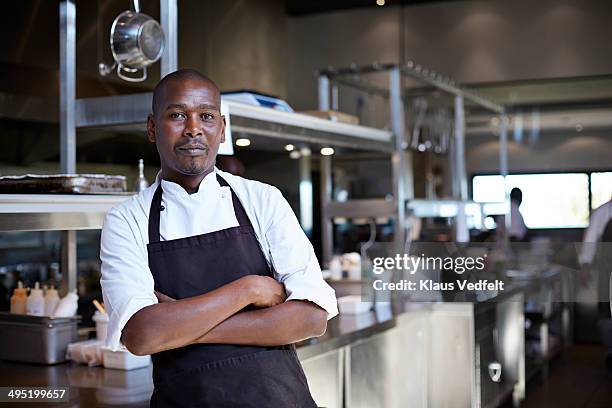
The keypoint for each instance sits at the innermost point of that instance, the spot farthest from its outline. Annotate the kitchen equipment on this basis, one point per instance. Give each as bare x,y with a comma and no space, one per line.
86,352
67,306
136,41
353,304
124,360
334,116
19,299
35,305
101,320
141,182
36,339
62,184
51,301
257,99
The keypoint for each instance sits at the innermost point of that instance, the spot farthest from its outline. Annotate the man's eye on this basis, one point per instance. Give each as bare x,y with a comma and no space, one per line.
176,115
208,116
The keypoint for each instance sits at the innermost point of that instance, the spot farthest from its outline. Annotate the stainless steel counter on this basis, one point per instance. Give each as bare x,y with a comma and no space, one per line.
371,351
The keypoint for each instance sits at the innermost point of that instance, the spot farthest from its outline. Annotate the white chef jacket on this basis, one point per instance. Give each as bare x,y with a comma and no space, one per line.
599,219
518,229
127,283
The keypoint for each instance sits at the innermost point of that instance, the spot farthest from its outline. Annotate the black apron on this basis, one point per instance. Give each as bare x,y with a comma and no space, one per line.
218,375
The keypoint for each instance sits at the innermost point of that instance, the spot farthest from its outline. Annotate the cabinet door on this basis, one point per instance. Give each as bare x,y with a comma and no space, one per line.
389,370
325,378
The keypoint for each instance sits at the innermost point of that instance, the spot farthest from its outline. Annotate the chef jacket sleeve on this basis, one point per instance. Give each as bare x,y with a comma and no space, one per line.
127,284
293,257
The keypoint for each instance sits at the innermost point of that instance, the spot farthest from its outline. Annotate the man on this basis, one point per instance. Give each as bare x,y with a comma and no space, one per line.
208,272
518,230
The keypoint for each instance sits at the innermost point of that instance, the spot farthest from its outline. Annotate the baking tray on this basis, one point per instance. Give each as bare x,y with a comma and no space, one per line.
62,184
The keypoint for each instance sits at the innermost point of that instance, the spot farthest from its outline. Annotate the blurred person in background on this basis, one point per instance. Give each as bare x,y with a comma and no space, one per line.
595,259
518,230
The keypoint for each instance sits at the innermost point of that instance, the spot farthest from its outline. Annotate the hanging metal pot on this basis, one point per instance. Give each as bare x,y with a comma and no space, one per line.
136,41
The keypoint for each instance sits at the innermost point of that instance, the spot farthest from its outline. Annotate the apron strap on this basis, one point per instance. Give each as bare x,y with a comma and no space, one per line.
156,207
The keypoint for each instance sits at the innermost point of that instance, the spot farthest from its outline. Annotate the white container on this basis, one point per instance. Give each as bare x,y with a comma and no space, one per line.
51,301
67,306
101,320
86,352
35,305
124,360
353,304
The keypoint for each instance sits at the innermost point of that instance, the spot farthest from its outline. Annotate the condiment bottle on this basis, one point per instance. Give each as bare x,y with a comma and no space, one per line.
35,305
19,299
51,301
142,182
67,306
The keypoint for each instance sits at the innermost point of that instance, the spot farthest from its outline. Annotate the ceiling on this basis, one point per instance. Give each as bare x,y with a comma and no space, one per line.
301,7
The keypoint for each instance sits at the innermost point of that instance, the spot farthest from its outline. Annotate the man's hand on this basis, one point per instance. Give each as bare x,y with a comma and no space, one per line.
267,291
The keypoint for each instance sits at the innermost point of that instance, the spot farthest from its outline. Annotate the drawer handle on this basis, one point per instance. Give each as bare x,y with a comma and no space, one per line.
495,371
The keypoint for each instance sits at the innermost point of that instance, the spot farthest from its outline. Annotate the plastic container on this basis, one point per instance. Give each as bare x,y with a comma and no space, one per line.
67,306
51,301
19,299
86,352
124,360
353,305
101,320
35,305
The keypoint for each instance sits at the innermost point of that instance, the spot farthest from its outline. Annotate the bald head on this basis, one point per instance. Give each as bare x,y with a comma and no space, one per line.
159,92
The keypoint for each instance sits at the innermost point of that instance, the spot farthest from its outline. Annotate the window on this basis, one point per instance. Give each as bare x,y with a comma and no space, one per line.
549,200
601,188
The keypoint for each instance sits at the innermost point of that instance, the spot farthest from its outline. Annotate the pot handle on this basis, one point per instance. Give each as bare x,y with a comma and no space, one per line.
129,78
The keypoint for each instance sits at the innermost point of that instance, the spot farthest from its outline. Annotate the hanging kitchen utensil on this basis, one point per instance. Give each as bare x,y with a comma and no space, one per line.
136,41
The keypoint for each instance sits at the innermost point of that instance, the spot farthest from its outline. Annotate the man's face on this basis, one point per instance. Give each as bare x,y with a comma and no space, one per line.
187,128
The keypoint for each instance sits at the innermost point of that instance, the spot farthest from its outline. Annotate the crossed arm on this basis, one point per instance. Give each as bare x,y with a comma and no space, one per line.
215,317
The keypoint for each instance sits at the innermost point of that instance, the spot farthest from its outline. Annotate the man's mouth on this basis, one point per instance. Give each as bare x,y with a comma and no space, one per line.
193,149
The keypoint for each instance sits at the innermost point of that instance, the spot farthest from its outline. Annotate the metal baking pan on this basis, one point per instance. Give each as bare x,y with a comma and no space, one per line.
62,184
36,339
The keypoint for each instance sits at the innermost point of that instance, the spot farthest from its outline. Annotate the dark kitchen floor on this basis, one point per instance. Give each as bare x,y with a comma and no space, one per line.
577,379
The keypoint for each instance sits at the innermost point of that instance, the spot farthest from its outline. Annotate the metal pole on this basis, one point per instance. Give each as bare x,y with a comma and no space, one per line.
327,226
169,22
402,175
503,168
68,264
67,25
460,177
323,93
334,98
67,37
306,196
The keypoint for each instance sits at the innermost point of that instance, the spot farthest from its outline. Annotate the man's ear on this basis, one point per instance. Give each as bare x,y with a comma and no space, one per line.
151,128
223,130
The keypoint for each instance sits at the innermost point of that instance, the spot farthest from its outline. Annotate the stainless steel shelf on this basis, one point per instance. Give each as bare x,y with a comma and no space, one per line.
129,112
48,212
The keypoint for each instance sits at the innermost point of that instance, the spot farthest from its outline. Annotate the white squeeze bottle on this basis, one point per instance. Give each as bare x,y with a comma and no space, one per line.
67,306
51,301
36,302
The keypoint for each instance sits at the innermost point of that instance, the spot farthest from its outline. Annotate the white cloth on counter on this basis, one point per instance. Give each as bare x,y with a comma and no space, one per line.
127,283
592,234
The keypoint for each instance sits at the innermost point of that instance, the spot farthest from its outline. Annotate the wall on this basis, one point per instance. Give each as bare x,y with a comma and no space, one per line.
472,41
551,152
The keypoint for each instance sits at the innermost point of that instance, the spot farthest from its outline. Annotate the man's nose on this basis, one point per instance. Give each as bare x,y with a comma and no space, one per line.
193,128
